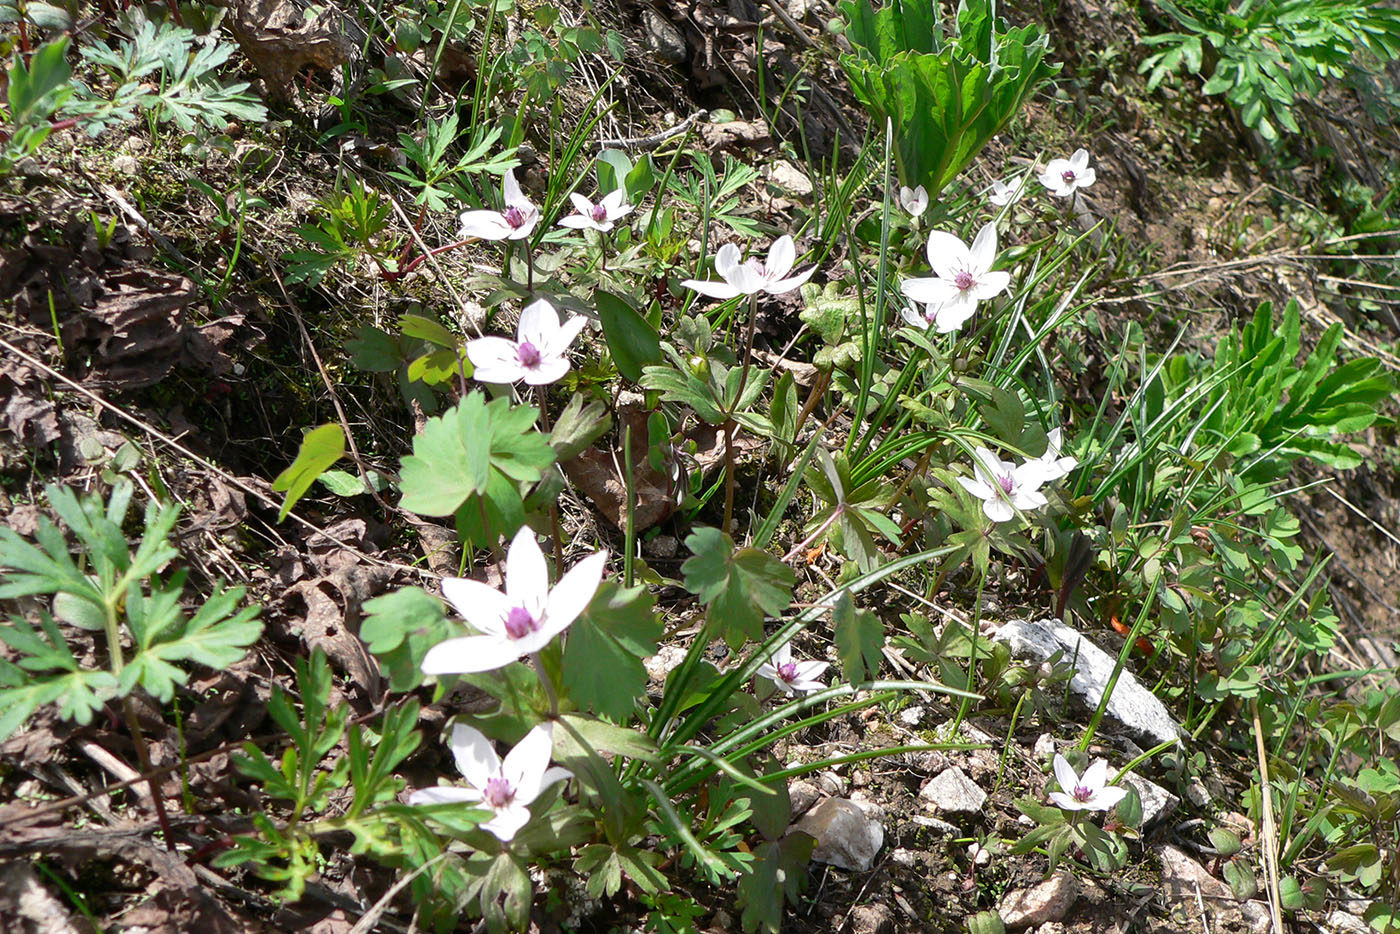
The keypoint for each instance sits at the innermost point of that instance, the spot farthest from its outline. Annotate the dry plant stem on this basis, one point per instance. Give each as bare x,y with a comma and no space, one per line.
797,549
732,426
1268,833
143,756
224,475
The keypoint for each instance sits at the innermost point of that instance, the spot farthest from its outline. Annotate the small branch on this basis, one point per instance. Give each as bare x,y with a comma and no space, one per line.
656,139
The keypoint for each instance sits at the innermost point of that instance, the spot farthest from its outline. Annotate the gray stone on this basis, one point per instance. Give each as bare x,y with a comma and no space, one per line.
936,825
801,796
1051,900
1131,704
1157,802
872,919
664,662
912,716
665,39
952,792
1186,885
1044,747
1341,922
1197,793
846,837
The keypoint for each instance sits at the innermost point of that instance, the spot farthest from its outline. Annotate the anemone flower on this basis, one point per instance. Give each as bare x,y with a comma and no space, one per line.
1063,177
520,621
1003,487
1004,193
962,277
516,222
914,200
505,787
538,355
600,216
1091,792
791,677
751,277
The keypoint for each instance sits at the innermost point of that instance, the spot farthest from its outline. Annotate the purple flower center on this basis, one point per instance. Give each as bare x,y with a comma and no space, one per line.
788,671
1006,484
528,355
963,280
520,623
1068,176
497,793
1082,794
599,213
515,217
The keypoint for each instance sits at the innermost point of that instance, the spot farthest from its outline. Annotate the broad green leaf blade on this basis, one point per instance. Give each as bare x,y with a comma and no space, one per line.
320,448
738,587
860,639
633,342
603,670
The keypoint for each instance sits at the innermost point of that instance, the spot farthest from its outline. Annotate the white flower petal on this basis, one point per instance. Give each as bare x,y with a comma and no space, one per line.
914,318
977,488
527,573
781,655
538,322
558,343
1105,798
930,290
767,671
998,509
475,756
990,285
581,204
780,286
524,765
951,316
710,289
514,197
548,370
484,225
781,255
1065,774
1079,161
947,255
507,822
575,590
527,228
1026,500
984,250
810,671
1086,178
1067,802
484,607
447,794
614,202
469,655
727,260
578,222
494,360
1095,777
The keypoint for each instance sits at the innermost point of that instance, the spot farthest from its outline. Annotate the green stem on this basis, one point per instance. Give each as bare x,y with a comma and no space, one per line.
731,425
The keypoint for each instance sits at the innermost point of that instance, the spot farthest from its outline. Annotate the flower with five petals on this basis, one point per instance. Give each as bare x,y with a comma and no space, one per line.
962,277
516,222
600,216
791,677
520,621
1004,487
1089,792
1004,193
750,276
505,787
1063,177
538,353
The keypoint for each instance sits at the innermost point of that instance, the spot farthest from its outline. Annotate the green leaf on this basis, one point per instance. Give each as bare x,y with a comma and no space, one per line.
449,463
860,639
577,427
428,330
320,448
738,587
399,628
603,670
632,341
778,874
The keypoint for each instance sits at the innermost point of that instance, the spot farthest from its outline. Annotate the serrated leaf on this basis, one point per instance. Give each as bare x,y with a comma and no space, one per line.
399,628
320,448
603,668
778,875
449,463
738,587
577,427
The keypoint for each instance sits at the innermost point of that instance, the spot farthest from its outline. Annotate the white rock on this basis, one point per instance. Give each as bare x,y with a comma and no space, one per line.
936,825
1044,747
912,716
952,792
1157,802
1051,900
801,796
1340,922
846,837
1131,704
664,662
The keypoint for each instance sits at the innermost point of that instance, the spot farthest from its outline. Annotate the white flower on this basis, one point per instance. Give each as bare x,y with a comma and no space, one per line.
1052,465
516,222
791,677
913,200
749,277
598,216
1003,487
1066,176
520,621
504,787
1004,194
537,355
1089,793
962,278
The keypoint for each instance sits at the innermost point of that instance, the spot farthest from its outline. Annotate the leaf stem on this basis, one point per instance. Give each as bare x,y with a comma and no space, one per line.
731,425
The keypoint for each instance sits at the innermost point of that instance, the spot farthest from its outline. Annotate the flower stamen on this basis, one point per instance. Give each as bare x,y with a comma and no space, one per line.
520,622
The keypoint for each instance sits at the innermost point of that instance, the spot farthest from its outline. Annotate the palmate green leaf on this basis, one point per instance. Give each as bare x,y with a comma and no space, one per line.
778,875
46,673
603,670
320,448
399,628
217,636
449,463
738,587
45,570
578,426
860,639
